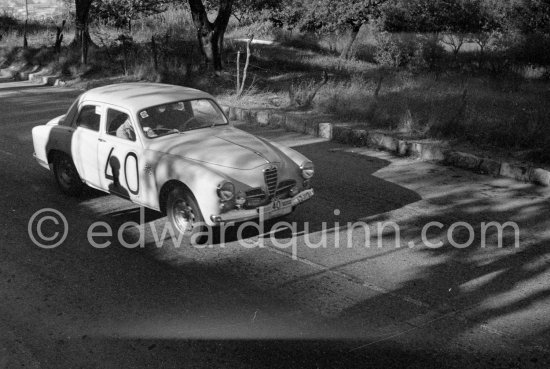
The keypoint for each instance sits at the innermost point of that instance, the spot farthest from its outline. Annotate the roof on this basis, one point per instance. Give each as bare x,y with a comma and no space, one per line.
137,96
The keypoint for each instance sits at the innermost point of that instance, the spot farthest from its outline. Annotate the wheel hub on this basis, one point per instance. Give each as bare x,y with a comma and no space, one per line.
65,173
184,216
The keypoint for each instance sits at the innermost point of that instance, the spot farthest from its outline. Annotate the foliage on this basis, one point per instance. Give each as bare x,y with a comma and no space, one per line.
531,16
250,11
121,13
395,50
439,16
7,23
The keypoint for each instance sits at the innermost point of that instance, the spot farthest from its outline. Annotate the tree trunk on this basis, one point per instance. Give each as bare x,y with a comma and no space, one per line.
25,42
210,34
82,8
346,53
84,47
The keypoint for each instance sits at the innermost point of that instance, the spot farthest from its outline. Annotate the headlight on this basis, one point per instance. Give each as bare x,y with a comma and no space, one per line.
307,170
226,191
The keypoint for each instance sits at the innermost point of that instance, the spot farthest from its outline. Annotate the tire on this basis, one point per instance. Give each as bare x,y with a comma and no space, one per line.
66,175
185,215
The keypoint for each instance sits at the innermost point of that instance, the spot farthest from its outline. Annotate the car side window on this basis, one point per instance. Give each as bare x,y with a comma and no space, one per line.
120,125
88,118
71,113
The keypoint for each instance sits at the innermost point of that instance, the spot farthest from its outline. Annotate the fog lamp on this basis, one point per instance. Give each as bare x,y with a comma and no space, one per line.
240,199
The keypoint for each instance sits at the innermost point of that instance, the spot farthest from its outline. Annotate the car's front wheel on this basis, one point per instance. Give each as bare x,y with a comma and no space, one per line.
185,215
66,175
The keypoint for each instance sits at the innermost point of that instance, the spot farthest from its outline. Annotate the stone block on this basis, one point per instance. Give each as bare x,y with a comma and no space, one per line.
295,123
325,130
462,160
403,148
540,176
277,119
519,172
432,153
262,117
490,166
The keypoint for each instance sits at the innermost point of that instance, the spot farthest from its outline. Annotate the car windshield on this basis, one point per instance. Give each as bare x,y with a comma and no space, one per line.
180,116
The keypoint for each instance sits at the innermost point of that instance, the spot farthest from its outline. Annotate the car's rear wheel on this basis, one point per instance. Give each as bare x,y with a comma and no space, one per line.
66,175
185,215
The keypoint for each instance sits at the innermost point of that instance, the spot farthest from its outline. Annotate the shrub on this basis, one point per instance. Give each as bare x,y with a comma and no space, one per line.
388,53
407,50
7,23
432,53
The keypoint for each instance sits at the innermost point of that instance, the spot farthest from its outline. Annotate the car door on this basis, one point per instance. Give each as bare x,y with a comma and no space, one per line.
84,142
118,155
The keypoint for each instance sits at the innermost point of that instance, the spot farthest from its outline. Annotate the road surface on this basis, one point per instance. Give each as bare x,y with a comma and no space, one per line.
319,292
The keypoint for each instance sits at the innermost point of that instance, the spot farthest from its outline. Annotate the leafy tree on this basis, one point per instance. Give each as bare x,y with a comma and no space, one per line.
210,34
124,12
248,11
531,16
334,15
456,20
531,19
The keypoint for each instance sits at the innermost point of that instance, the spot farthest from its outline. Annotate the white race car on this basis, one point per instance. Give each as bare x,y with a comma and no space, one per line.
171,149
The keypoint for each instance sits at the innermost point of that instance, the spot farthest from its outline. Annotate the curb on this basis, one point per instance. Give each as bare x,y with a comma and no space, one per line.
360,137
40,77
43,79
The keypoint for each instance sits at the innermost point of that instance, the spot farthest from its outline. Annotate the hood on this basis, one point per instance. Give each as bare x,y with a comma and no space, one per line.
222,146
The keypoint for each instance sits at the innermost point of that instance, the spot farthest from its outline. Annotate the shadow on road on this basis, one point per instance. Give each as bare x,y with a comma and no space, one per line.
133,299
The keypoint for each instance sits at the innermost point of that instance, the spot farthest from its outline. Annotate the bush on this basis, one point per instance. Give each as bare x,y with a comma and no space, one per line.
7,23
409,50
395,50
432,54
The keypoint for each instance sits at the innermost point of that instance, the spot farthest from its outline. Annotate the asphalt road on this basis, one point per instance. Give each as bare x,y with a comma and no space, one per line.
315,293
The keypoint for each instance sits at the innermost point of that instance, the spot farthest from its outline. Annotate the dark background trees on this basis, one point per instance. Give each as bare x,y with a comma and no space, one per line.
518,28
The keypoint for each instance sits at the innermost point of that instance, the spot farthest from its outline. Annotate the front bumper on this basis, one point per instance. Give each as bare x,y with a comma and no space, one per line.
40,161
272,210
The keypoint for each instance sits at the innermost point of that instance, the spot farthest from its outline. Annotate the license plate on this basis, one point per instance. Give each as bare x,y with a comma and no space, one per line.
276,208
306,195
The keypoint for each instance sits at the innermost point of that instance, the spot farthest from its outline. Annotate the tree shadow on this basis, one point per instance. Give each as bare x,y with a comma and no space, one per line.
139,296
499,287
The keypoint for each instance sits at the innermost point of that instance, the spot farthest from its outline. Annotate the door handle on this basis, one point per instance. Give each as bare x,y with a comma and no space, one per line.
101,140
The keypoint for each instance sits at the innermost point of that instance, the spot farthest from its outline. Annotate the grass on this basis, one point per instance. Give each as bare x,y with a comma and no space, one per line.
505,111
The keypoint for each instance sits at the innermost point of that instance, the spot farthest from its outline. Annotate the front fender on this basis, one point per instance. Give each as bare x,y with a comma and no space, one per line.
201,180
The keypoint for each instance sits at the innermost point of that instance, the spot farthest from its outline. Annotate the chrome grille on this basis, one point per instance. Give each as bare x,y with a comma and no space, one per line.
254,198
284,187
270,176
